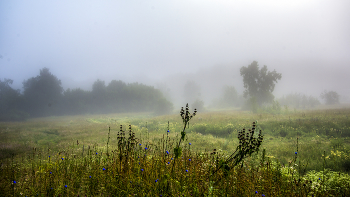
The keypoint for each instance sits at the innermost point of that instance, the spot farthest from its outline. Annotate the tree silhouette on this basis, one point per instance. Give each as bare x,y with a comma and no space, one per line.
330,97
259,84
43,94
10,102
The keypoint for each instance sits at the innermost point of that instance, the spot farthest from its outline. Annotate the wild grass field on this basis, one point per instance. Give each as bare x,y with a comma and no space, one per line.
303,153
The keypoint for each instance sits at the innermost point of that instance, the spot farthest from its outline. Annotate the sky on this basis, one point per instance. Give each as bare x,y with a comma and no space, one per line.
166,43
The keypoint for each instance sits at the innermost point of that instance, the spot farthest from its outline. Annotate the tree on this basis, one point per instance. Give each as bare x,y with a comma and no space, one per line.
10,102
8,96
76,101
43,94
116,90
297,100
230,97
330,97
99,96
259,84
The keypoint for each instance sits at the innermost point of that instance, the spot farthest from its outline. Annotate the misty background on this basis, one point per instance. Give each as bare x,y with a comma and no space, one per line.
167,44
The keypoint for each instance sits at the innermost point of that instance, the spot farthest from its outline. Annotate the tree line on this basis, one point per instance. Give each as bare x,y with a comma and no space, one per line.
43,95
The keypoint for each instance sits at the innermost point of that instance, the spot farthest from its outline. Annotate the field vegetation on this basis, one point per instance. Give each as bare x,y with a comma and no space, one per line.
303,153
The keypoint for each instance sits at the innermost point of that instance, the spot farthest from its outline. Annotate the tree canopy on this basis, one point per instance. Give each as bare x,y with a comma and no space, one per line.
43,94
259,83
10,102
330,97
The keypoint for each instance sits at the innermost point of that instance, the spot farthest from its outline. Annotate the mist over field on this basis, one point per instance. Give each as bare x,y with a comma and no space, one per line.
91,93
169,44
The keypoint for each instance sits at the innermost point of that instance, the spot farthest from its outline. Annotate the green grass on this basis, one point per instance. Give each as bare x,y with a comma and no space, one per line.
26,147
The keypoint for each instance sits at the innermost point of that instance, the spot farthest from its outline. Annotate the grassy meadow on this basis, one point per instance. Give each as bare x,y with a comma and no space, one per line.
303,153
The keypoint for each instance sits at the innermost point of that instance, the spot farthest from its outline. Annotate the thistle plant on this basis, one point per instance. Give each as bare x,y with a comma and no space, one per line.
248,144
186,117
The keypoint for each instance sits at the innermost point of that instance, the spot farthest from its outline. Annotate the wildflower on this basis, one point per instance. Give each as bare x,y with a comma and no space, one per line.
142,170
140,144
65,186
262,194
62,158
189,143
168,162
139,162
189,159
103,169
145,148
171,158
156,180
319,178
14,181
168,131
256,192
296,152
50,172
49,155
89,176
96,153
167,152
186,170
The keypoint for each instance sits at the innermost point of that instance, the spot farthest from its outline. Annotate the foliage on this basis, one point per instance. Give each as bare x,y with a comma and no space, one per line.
259,84
163,106
229,97
328,180
76,101
10,103
143,166
248,144
43,94
330,97
299,101
274,108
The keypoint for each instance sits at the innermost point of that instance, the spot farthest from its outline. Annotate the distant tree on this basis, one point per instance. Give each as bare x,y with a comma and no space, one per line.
230,97
8,96
43,94
99,96
192,91
163,106
116,93
259,84
330,97
116,86
10,102
298,100
76,101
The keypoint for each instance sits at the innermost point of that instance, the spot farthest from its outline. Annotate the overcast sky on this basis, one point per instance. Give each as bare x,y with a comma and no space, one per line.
150,41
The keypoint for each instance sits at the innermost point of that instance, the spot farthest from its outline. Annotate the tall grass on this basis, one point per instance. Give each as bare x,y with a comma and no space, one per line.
134,164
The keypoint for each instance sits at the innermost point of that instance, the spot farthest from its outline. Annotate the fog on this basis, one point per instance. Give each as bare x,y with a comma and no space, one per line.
165,44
